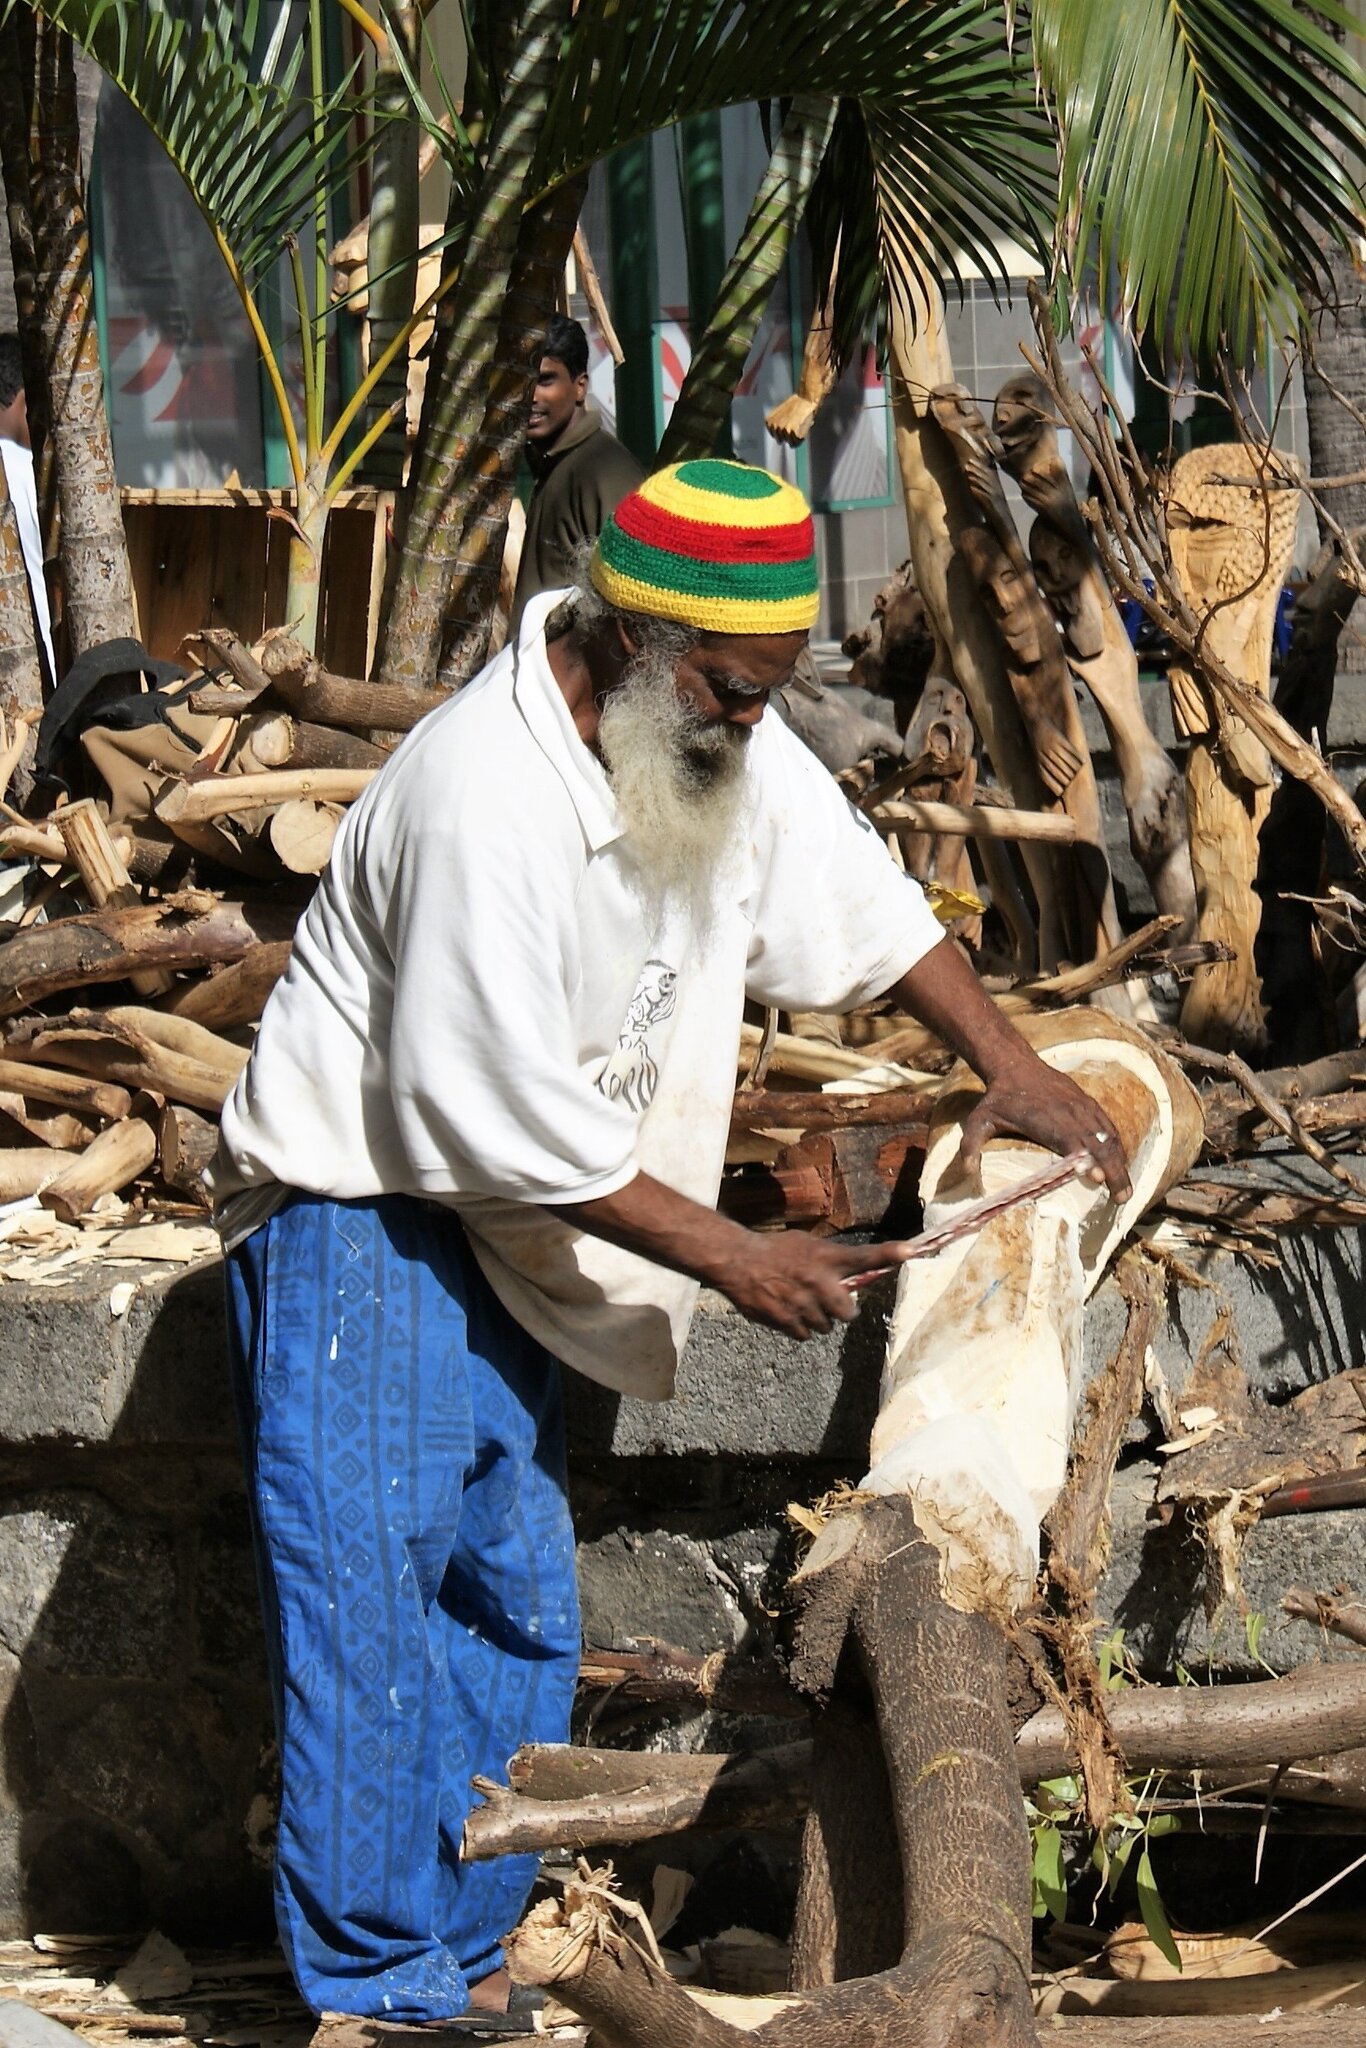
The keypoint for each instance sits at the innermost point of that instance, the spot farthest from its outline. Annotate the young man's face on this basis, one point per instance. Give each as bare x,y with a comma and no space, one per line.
554,402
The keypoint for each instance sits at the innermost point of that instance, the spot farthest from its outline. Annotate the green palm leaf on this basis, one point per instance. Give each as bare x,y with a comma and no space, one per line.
227,107
1206,147
756,263
920,184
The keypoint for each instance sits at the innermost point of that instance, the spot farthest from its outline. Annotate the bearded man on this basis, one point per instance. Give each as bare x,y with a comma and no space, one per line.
481,1137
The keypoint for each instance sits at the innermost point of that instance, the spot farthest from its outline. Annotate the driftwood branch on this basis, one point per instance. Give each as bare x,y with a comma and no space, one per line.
1344,1617
660,1675
974,821
639,1799
584,1799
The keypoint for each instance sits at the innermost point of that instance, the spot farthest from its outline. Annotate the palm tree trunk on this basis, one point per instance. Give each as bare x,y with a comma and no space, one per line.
719,360
17,51
391,246
477,408
96,576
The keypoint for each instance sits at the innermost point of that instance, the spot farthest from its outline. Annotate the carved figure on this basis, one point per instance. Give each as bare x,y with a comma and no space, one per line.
1100,652
1232,530
1035,664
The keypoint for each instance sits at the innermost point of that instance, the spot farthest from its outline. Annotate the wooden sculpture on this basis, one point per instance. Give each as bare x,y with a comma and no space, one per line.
1099,649
1231,524
1036,666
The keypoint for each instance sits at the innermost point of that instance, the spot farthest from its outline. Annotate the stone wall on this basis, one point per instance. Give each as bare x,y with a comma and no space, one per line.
135,1747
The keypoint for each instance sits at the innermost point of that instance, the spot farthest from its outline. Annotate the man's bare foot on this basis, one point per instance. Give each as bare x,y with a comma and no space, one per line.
491,1993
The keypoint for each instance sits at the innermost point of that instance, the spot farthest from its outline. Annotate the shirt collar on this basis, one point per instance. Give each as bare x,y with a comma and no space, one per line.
541,703
579,429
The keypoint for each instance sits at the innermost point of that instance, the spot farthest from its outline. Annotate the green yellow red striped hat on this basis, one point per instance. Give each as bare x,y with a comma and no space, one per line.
717,545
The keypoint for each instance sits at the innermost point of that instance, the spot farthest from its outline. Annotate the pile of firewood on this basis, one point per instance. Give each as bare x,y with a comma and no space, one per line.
131,982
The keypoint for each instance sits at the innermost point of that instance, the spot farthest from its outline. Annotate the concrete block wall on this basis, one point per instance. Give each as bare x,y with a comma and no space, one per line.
136,1759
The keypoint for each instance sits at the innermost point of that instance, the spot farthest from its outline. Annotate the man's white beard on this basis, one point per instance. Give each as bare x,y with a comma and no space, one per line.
679,782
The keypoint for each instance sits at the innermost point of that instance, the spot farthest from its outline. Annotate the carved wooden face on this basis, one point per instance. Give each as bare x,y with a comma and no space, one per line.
1064,578
1022,414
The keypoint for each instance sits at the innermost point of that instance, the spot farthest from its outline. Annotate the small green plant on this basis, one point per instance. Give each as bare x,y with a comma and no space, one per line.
1058,1807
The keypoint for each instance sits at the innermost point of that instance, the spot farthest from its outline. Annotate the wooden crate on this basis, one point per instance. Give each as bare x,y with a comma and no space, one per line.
220,558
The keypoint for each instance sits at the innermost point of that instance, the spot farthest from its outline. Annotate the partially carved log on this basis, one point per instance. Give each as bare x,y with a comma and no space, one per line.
1098,647
1231,524
969,1450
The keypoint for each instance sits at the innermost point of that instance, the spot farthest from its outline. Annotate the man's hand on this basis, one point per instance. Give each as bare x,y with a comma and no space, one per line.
1024,1098
1031,1100
794,1283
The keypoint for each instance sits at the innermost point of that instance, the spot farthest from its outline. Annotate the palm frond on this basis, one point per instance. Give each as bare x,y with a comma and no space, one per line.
234,121
1210,150
755,265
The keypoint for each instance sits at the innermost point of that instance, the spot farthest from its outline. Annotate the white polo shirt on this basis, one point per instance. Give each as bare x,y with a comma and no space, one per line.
483,1009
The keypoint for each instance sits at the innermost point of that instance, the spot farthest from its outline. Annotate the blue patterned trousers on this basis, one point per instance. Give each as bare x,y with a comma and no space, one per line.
404,1444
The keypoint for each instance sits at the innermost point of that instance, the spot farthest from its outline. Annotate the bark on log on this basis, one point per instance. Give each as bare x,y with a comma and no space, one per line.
107,1164
660,1675
236,994
311,693
1077,1525
783,1109
272,739
186,1144
1310,1725
68,1091
192,929
844,1179
1320,1710
96,577
111,1048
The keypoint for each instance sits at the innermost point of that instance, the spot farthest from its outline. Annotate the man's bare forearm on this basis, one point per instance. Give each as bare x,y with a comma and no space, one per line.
942,991
784,1278
658,1223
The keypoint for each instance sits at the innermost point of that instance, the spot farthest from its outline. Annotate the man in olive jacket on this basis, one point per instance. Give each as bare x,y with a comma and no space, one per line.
581,471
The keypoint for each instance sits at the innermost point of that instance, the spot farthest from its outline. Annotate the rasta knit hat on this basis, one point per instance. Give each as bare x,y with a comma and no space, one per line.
717,545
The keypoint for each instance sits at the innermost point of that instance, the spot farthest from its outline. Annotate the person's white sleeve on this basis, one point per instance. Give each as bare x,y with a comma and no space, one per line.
487,1087
835,920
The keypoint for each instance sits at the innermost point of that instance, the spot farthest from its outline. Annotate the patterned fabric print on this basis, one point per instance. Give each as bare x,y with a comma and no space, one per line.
717,545
404,1443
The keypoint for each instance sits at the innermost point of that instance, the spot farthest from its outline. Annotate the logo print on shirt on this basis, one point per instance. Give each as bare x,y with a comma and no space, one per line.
631,1075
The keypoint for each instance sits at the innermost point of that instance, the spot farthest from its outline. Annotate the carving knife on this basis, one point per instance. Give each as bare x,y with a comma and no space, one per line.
1056,1174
